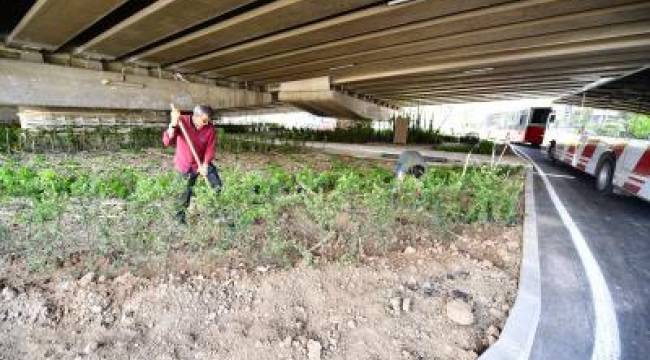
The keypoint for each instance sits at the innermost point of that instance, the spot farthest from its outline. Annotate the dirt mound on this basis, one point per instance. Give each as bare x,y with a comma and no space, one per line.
386,308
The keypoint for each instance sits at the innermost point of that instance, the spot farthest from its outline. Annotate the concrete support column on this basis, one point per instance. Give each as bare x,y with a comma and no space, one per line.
8,115
400,135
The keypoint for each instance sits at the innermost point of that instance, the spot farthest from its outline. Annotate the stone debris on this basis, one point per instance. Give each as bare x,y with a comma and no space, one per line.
407,304
411,284
512,245
314,349
409,250
9,294
429,289
396,305
493,331
91,347
286,343
87,279
460,312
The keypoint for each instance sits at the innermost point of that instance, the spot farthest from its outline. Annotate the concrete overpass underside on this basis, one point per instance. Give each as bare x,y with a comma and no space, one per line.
628,93
380,54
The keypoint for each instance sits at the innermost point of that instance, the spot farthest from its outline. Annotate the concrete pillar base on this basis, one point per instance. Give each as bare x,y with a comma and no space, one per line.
400,134
346,123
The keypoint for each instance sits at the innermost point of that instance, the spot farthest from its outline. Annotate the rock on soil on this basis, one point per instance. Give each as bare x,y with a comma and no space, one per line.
87,279
409,250
9,293
313,350
460,312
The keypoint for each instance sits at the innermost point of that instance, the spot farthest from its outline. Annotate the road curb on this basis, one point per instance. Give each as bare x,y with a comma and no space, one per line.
516,340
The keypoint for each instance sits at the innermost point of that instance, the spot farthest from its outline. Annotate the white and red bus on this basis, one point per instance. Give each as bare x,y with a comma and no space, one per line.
610,145
522,126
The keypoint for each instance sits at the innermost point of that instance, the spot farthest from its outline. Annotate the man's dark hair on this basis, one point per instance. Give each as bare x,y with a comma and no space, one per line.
203,109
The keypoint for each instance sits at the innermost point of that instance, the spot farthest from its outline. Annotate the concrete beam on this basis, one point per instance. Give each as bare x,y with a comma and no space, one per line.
491,84
481,18
32,84
332,30
573,27
593,73
487,87
482,98
438,51
597,63
153,23
317,97
419,66
513,90
275,16
51,23
560,88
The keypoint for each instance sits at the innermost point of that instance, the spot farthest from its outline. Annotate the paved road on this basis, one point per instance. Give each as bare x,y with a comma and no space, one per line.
617,230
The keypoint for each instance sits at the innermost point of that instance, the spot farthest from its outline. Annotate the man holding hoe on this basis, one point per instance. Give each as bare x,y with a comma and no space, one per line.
195,138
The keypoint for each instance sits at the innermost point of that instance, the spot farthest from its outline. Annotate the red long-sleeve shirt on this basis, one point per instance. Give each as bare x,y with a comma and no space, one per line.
204,141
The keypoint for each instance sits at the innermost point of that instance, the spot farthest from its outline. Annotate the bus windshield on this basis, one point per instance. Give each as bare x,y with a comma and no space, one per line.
540,116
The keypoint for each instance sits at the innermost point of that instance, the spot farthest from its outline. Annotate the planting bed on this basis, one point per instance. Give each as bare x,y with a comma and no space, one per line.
302,255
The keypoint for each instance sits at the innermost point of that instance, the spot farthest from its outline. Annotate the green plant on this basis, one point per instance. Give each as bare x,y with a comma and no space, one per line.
125,215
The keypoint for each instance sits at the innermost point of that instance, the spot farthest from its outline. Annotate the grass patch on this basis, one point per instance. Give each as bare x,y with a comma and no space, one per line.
116,214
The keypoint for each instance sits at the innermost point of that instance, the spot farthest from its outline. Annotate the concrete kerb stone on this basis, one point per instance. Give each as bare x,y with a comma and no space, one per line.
518,334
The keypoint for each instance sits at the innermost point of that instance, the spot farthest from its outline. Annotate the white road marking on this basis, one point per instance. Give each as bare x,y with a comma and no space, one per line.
561,176
606,336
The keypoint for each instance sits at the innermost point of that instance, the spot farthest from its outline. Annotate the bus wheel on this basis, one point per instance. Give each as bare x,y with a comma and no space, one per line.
605,174
551,152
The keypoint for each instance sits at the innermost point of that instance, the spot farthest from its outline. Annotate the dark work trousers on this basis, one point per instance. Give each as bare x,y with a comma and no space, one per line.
191,176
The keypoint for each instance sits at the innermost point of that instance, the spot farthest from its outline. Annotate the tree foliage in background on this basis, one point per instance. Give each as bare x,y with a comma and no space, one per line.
639,126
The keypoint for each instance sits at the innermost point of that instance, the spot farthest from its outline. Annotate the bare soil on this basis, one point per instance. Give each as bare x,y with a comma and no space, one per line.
238,313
